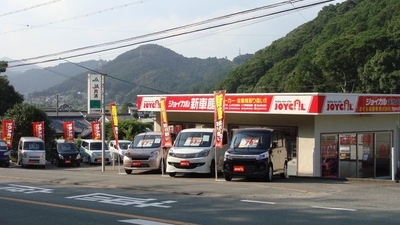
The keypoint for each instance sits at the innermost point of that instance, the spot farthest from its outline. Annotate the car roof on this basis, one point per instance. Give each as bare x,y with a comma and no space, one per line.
197,130
149,133
119,141
62,141
254,129
91,140
30,139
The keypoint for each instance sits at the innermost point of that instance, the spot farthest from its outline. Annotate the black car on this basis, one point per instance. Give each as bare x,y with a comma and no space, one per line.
4,154
65,153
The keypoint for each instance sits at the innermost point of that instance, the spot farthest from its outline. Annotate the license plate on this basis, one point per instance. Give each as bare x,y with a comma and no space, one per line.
238,169
184,163
67,161
98,160
31,162
136,164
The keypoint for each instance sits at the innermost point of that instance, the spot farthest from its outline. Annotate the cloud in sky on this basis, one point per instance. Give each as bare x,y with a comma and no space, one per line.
31,28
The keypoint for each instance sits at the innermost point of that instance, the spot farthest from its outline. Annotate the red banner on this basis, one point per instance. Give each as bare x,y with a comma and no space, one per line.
38,129
114,121
69,131
8,131
96,130
219,118
166,140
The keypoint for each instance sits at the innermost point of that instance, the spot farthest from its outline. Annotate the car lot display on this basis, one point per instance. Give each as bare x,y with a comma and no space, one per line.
145,153
65,153
194,152
118,151
4,154
256,152
91,151
31,152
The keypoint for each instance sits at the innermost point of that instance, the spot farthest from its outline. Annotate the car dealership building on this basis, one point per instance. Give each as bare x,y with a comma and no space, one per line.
327,134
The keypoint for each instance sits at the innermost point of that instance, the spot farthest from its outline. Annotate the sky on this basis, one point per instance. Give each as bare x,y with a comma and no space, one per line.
47,31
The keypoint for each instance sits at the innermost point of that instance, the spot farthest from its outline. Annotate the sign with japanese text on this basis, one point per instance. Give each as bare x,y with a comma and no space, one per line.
219,118
94,92
165,131
114,122
375,104
96,130
7,131
38,129
69,131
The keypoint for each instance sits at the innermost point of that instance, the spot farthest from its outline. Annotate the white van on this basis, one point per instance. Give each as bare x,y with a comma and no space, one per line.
194,152
31,152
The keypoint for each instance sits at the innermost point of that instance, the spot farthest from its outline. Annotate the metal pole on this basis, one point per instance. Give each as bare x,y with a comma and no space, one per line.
103,122
393,165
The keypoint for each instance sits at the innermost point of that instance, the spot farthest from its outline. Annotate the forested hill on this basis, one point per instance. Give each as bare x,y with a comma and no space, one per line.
152,69
349,47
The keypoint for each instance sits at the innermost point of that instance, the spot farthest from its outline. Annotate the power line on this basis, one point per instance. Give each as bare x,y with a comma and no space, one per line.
155,39
32,7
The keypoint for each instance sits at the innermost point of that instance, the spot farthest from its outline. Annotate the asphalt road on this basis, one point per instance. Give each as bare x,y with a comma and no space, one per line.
87,195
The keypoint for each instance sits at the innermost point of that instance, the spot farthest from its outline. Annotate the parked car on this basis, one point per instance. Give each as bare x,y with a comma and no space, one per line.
65,153
4,154
31,152
120,151
91,151
256,152
145,153
194,152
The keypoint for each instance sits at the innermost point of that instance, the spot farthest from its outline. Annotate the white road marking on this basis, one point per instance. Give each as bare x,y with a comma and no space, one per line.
332,208
26,189
143,222
261,202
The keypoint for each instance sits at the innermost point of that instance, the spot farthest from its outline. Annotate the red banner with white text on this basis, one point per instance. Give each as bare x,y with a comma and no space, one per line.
96,130
38,129
7,131
114,122
69,131
219,118
166,140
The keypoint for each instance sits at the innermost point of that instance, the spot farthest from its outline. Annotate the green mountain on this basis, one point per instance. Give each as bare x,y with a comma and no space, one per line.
150,69
349,47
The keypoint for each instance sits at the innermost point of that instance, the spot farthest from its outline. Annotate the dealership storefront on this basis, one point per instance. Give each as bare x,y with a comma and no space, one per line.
328,135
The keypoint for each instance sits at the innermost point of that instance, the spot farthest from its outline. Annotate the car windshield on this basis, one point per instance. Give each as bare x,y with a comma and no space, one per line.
124,145
146,141
251,140
97,146
194,139
33,145
67,147
3,145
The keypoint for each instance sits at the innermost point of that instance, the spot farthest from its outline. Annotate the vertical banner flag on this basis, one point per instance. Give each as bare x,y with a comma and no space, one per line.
96,130
69,131
38,129
7,131
114,122
219,117
166,140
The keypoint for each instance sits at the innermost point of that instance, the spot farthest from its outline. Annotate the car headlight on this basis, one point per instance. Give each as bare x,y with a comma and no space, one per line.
262,156
78,156
7,153
154,153
227,155
203,153
60,156
171,153
43,155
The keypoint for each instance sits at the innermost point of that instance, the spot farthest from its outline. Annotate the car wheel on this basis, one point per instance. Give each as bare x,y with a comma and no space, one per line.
172,174
228,177
78,165
44,166
270,173
7,165
58,163
128,171
88,160
212,169
285,172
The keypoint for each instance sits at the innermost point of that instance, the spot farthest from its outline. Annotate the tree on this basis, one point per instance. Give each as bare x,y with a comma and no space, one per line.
127,129
24,115
9,96
3,66
125,108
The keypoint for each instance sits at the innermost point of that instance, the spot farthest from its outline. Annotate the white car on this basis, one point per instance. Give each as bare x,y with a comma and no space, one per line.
120,151
91,151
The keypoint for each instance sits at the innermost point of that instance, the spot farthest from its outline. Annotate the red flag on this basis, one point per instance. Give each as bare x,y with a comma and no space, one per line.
114,122
166,140
7,131
219,118
96,131
38,129
69,132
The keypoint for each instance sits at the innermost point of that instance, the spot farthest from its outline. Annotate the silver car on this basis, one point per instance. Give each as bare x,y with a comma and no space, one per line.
144,153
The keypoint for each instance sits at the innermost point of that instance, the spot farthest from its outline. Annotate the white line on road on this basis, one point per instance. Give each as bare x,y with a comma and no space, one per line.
143,222
261,202
331,208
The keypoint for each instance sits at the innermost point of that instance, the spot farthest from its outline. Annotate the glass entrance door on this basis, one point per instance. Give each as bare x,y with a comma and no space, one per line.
382,154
